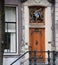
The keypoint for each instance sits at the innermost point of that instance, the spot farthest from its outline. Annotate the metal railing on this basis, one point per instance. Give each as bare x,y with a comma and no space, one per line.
36,59
19,58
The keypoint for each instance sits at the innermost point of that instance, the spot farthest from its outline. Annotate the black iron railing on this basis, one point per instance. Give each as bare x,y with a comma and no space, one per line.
36,59
18,58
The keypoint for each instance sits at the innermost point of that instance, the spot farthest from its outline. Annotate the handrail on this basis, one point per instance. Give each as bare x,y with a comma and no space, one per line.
23,55
35,55
19,58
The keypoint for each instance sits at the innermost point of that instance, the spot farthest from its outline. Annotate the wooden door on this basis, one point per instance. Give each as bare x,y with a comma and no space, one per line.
37,41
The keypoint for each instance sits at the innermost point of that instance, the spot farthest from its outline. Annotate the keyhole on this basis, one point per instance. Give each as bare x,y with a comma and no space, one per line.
36,42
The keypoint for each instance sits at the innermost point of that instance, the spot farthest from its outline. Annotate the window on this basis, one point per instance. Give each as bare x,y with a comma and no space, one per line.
10,29
36,14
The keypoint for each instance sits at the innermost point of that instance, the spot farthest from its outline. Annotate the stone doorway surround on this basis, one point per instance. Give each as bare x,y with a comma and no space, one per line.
26,26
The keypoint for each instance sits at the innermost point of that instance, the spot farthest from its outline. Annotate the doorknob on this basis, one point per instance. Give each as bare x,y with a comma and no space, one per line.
36,42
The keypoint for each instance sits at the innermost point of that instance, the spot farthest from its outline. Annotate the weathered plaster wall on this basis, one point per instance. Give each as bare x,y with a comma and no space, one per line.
48,28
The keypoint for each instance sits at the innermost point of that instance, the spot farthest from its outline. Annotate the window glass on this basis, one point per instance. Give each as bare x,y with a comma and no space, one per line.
7,40
10,14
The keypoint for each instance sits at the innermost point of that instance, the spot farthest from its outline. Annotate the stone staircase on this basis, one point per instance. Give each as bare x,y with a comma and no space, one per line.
39,63
26,62
26,59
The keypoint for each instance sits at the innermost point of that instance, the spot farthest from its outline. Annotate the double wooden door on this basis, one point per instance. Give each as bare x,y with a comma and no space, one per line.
37,42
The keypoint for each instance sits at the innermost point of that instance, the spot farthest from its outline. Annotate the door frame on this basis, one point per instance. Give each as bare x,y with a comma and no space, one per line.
26,25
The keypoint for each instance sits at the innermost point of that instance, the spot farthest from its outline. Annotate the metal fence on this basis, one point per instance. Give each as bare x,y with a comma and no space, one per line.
35,58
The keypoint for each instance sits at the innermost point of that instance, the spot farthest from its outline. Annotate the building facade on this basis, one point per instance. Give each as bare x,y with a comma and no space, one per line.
28,26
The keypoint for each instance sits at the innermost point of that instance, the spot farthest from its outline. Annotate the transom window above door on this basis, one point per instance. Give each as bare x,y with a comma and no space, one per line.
36,14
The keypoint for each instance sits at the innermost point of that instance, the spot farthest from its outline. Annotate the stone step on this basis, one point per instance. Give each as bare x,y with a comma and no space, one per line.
39,64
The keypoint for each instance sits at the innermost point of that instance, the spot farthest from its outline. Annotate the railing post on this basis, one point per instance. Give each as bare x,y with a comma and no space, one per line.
35,58
48,57
53,57
29,57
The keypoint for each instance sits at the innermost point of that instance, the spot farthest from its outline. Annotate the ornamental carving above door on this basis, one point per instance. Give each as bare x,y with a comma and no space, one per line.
36,14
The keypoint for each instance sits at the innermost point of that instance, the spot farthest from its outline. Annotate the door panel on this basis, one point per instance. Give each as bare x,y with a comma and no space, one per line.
37,41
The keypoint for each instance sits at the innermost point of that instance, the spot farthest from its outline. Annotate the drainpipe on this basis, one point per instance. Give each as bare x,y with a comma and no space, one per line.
53,23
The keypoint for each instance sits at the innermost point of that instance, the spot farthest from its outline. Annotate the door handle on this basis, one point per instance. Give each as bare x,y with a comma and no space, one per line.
36,42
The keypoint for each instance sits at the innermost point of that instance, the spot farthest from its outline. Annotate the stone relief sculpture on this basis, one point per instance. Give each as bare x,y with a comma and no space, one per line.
36,14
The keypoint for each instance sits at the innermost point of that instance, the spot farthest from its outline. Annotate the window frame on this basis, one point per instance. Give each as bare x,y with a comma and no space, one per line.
16,52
